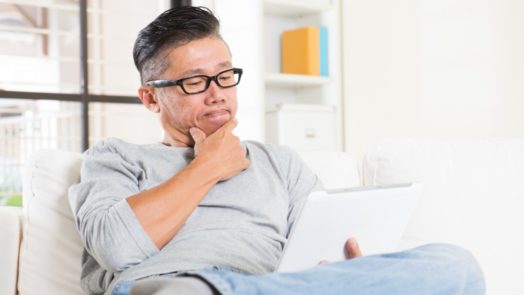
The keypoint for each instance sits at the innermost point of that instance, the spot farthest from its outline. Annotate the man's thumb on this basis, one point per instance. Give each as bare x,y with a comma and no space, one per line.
197,134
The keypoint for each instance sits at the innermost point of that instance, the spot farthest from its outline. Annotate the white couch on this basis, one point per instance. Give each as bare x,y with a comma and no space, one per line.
473,197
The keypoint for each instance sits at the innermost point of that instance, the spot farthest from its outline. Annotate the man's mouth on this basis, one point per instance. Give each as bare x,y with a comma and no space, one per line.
217,115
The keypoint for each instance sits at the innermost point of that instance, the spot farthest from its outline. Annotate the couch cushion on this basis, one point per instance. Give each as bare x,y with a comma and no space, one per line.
51,247
474,197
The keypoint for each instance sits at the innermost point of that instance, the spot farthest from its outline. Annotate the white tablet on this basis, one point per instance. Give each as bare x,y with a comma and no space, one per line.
375,216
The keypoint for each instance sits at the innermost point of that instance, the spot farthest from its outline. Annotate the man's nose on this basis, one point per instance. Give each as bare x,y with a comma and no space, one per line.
214,93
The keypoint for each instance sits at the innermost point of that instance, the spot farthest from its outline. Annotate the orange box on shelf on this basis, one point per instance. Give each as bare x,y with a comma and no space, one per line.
301,51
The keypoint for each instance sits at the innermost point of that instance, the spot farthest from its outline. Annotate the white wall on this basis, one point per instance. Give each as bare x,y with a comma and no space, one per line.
447,69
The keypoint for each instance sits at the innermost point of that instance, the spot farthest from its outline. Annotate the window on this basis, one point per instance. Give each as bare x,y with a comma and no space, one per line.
49,49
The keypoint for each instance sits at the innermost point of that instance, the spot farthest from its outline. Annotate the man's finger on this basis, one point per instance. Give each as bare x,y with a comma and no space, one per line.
230,125
197,134
353,249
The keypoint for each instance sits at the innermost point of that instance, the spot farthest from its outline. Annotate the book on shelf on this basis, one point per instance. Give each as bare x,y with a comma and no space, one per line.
324,66
305,51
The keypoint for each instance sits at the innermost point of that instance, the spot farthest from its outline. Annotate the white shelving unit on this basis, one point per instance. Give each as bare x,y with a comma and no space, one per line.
301,96
295,81
293,8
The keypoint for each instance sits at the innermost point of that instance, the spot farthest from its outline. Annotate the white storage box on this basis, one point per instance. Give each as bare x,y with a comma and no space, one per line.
302,127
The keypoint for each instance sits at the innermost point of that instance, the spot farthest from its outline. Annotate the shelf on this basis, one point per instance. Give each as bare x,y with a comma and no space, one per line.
295,81
295,8
294,107
295,104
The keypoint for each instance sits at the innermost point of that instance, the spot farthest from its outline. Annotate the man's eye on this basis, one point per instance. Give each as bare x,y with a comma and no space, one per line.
226,77
193,82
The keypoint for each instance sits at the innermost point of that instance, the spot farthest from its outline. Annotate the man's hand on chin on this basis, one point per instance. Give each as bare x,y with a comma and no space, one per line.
221,150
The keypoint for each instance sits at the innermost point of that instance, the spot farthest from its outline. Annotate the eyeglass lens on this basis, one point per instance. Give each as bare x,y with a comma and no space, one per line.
200,83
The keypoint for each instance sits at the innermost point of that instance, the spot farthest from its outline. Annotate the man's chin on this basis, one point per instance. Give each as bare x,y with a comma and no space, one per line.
211,126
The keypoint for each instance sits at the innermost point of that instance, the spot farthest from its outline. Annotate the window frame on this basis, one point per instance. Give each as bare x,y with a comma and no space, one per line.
84,96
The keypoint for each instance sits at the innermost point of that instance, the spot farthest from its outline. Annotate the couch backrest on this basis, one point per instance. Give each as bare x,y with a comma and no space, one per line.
335,169
474,197
51,247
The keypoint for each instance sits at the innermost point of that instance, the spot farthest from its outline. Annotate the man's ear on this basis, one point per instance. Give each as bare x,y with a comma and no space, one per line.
149,99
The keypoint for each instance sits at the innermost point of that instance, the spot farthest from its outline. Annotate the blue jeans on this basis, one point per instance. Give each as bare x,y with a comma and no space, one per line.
430,269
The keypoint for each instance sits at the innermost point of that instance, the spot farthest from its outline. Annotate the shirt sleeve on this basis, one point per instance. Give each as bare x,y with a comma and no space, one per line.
108,227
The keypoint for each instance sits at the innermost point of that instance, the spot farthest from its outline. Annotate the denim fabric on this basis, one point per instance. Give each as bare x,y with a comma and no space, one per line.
431,269
123,287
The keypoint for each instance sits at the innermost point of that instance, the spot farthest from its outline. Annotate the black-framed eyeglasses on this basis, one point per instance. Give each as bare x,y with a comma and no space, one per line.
200,83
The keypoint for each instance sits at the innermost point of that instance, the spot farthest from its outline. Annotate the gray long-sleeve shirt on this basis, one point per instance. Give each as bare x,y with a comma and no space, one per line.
242,223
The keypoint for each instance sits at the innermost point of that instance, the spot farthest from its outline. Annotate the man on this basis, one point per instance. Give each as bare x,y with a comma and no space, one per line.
202,212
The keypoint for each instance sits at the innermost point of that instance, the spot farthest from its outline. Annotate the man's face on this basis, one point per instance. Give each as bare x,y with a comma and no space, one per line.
208,110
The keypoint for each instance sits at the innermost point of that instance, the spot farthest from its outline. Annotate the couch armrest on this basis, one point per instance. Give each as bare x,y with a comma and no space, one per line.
10,236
